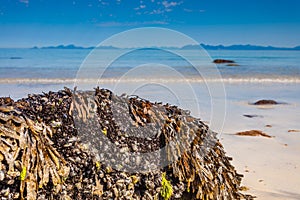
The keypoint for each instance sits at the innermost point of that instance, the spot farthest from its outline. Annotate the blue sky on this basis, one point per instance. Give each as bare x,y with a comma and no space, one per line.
27,23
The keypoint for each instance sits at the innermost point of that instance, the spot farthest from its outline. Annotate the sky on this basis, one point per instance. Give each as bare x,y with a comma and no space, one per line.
27,23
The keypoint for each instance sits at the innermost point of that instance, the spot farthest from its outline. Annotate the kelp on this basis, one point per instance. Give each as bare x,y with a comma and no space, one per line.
27,148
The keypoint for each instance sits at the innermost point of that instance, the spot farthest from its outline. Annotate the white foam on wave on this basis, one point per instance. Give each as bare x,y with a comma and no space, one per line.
134,80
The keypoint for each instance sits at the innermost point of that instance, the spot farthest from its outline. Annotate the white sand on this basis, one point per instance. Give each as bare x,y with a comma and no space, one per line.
271,166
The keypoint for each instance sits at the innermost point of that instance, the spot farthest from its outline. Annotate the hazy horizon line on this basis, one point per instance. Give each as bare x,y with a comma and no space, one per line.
74,46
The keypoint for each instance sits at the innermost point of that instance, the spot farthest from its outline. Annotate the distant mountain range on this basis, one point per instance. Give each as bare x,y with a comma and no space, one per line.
72,46
246,47
187,47
239,47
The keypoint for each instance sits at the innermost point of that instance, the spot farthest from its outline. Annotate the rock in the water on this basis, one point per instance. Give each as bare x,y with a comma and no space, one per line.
222,61
15,57
43,156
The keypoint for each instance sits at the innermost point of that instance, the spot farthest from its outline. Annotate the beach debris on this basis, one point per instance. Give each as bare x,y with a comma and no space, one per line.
222,61
253,133
268,126
42,156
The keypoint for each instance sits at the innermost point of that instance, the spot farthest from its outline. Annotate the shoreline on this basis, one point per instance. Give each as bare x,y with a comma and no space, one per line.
191,79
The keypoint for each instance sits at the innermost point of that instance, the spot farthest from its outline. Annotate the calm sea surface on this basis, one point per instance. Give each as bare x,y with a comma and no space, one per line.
32,64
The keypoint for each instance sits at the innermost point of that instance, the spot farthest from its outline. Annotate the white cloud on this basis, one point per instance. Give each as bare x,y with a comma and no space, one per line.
156,12
160,7
190,10
187,10
24,1
124,24
167,4
104,3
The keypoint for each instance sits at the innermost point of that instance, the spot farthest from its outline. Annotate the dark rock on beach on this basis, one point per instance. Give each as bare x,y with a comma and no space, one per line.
265,102
253,116
56,146
222,61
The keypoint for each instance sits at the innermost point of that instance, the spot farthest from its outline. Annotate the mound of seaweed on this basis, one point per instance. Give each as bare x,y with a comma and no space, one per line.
44,156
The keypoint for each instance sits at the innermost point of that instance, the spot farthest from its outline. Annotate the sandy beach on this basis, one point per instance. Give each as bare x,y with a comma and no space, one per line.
270,165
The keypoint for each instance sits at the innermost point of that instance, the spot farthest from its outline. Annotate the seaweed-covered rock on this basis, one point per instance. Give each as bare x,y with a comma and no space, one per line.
56,146
265,102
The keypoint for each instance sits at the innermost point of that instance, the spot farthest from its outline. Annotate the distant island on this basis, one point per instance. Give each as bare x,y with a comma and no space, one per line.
187,47
239,47
72,46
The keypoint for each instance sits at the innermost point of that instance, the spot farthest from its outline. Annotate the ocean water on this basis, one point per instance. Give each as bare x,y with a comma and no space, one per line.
62,65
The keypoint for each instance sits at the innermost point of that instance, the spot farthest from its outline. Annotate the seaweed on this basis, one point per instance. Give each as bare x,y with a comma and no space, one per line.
166,190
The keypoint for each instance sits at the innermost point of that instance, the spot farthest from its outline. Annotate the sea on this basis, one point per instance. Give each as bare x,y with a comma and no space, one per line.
44,65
